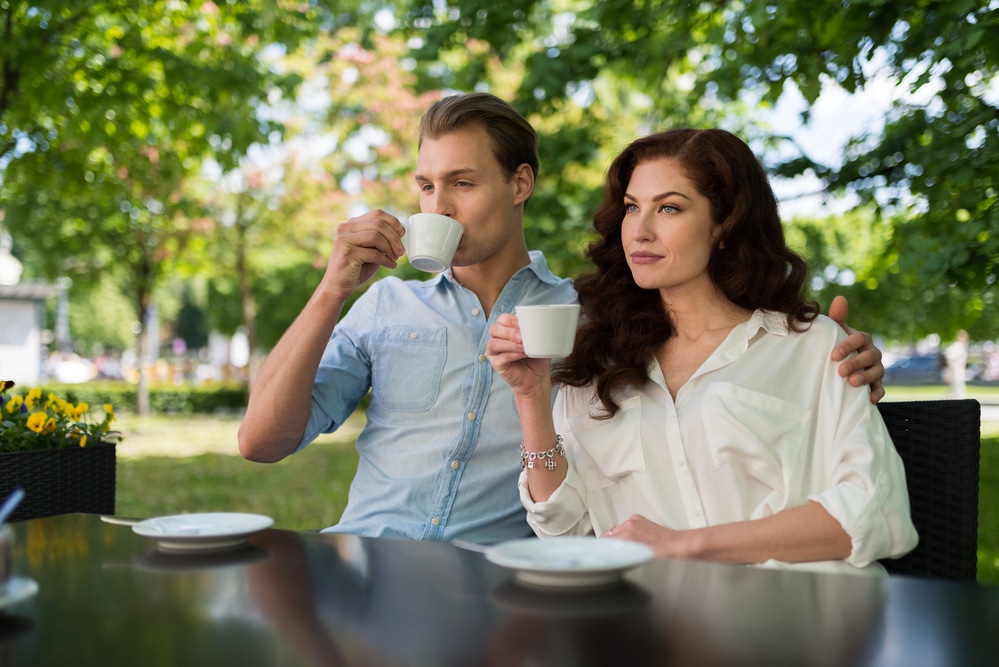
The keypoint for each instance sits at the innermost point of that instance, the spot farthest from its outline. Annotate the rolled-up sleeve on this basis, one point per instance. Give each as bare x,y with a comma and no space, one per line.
867,493
344,374
564,513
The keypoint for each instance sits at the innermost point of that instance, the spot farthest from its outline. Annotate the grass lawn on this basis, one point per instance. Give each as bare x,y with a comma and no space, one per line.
988,511
982,393
172,465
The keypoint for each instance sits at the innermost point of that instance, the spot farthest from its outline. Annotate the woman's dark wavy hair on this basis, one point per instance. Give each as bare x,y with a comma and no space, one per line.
622,324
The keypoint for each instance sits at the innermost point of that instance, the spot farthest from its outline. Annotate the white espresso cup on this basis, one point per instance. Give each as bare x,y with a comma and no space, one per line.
430,241
548,331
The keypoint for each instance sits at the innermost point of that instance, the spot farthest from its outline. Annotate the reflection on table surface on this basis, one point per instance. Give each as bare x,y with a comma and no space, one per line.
107,596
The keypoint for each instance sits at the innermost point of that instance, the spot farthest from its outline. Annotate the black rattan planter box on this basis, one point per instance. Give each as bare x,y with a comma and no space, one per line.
60,481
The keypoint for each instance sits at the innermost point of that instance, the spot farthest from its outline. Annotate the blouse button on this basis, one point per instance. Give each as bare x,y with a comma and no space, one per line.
475,311
482,357
471,416
436,521
454,465
413,334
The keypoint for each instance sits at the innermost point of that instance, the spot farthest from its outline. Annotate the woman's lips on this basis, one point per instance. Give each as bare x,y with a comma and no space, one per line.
644,258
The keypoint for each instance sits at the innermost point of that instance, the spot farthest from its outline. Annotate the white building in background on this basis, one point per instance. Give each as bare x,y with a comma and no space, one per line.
22,318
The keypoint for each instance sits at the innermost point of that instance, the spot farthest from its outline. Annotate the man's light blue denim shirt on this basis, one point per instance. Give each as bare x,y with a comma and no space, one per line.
439,456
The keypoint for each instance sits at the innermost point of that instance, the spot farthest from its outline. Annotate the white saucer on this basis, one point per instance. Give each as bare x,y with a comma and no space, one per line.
209,531
17,589
569,562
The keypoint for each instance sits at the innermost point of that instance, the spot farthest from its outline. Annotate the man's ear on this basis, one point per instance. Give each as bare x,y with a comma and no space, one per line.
523,181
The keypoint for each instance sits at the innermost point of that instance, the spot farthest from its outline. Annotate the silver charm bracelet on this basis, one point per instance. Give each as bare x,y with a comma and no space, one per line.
527,458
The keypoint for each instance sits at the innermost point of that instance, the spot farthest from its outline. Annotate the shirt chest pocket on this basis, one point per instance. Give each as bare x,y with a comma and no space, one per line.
609,450
407,366
763,434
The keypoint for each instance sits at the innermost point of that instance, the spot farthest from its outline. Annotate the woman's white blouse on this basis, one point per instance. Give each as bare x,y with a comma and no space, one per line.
765,424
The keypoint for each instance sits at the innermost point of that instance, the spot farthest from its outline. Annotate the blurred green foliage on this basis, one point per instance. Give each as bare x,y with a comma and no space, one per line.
924,180
113,114
206,398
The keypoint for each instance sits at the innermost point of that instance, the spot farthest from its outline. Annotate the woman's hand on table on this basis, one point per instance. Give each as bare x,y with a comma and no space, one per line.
665,542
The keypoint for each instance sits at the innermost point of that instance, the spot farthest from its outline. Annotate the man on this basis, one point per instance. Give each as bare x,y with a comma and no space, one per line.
438,458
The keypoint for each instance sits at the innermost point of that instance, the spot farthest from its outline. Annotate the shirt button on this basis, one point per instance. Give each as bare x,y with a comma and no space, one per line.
454,465
436,521
475,311
482,357
471,416
413,334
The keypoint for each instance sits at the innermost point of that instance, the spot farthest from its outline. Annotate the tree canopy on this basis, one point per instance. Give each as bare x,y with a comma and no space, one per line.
111,109
931,170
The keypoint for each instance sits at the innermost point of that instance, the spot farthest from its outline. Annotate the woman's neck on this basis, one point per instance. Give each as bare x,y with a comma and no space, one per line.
695,314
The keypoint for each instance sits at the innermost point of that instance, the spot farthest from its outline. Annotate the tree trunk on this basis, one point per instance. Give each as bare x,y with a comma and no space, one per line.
143,296
250,321
247,301
142,350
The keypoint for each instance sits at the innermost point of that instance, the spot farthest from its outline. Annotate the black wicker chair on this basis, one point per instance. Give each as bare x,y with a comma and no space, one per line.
939,442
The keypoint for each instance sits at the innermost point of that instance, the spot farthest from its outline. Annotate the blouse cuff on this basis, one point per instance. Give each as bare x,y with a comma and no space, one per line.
865,518
559,515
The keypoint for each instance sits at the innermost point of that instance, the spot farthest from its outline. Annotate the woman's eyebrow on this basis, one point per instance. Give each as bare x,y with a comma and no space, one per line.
660,197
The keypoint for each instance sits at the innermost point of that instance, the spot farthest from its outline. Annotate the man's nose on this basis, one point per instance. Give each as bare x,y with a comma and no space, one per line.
439,203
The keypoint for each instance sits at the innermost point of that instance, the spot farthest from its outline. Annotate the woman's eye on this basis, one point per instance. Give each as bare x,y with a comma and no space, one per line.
630,208
669,208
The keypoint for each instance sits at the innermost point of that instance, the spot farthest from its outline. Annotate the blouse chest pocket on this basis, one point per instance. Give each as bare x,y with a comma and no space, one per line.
407,366
605,451
761,433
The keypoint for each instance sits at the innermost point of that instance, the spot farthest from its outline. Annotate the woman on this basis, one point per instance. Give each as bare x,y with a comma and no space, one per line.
699,411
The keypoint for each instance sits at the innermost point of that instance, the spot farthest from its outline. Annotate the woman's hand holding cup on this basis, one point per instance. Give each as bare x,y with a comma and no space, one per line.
505,352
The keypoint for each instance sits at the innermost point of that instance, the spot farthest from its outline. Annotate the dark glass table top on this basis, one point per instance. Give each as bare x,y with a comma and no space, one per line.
109,597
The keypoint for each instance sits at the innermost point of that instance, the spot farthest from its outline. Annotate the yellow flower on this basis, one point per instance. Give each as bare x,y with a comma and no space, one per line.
31,422
36,422
32,398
